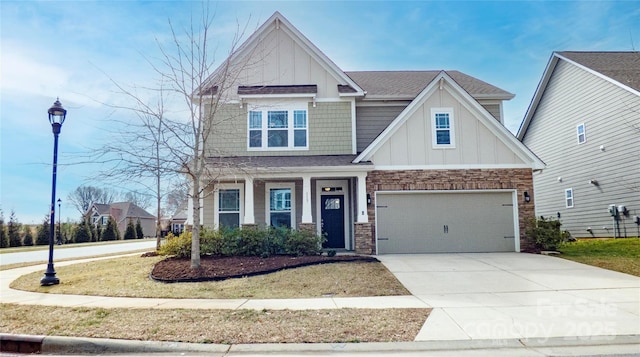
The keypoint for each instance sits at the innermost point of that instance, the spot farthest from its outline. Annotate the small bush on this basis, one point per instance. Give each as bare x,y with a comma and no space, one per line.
546,234
179,246
303,242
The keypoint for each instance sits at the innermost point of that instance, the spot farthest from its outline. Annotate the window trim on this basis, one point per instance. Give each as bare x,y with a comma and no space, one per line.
216,202
267,193
569,198
584,133
291,126
434,130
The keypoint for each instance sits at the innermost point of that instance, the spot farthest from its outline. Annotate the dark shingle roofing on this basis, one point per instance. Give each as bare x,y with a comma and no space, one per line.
623,67
408,84
275,162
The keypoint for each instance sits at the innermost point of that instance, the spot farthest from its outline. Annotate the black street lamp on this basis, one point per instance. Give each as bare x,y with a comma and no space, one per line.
57,114
59,232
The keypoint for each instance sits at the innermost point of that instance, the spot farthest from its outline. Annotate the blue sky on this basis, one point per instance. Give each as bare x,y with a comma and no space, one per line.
69,49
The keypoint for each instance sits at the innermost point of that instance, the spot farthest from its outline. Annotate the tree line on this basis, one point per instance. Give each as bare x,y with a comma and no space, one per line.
15,234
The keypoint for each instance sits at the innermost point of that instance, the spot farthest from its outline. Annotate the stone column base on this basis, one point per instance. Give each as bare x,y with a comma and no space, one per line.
364,242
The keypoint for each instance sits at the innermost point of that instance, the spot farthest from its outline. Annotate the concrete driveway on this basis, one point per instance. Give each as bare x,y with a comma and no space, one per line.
516,295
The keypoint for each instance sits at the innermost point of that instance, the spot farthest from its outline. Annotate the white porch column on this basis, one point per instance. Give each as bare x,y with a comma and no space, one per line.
363,216
306,200
249,216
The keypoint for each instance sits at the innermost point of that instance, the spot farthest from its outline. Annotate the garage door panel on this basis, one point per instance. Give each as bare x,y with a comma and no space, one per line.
444,222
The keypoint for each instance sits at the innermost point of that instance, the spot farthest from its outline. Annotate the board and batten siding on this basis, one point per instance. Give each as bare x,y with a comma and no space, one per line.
475,144
278,59
610,155
329,125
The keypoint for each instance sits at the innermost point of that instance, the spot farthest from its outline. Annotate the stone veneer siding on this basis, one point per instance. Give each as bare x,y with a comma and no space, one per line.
311,227
443,180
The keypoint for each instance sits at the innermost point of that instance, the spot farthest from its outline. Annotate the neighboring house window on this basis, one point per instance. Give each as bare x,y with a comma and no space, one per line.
582,134
568,196
229,208
442,128
280,205
105,220
278,129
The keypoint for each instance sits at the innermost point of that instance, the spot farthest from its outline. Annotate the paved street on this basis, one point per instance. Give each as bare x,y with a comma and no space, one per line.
61,252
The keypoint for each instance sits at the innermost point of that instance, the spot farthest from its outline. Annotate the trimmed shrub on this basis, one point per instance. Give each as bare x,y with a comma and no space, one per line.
303,242
248,241
545,233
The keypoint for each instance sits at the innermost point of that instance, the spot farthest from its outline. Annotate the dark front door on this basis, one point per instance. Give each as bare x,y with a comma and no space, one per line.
332,216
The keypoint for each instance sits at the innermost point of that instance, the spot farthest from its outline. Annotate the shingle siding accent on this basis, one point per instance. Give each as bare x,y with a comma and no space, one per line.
330,129
443,180
229,131
329,126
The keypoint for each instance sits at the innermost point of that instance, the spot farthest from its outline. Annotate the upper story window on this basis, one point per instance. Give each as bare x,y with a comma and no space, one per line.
442,133
582,133
283,129
568,197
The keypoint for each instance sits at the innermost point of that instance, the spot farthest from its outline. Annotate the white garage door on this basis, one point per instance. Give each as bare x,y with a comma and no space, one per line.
410,222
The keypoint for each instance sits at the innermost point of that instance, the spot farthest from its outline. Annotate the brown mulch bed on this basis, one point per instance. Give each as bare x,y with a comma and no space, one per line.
174,270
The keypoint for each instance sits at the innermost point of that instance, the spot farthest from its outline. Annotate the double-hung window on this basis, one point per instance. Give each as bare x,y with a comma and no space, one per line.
280,205
282,129
568,197
228,202
442,133
581,133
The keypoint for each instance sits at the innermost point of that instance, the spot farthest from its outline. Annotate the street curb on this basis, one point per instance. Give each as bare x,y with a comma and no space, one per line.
86,346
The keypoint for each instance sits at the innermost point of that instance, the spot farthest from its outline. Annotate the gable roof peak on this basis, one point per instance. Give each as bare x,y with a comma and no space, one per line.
245,49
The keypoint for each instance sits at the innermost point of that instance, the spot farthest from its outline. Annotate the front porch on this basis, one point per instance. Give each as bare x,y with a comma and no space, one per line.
329,200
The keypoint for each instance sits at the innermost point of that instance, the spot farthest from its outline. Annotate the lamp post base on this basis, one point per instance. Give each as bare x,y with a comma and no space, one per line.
50,277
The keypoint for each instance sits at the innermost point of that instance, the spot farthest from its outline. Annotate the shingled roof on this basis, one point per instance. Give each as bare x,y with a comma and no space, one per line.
623,67
280,162
406,85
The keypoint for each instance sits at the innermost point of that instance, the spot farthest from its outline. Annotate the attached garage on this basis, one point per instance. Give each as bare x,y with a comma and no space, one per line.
445,222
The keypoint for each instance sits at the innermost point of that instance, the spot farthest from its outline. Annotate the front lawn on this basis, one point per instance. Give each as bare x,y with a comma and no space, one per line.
129,277
622,254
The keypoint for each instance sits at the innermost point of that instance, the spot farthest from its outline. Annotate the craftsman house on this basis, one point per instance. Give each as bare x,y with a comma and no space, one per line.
122,212
584,123
379,162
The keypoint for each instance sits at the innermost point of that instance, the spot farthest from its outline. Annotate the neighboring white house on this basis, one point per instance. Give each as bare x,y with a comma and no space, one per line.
584,123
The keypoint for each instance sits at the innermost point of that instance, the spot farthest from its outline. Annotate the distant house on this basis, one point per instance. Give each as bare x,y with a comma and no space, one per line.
122,213
178,221
377,161
584,123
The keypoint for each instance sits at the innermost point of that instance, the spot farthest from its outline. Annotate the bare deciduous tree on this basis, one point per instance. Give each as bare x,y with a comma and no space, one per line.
84,196
167,142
